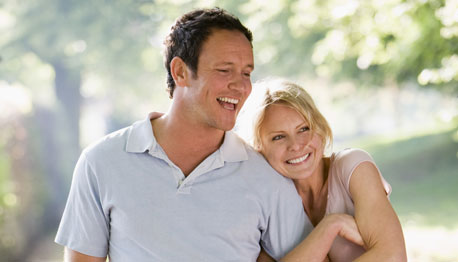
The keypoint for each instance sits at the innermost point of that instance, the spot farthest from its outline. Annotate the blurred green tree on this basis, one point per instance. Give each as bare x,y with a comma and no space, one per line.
369,42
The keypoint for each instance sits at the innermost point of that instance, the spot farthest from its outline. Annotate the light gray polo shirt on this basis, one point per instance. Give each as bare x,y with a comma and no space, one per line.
130,202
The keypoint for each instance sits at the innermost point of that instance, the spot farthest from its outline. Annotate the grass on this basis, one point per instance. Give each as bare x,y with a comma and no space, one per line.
423,172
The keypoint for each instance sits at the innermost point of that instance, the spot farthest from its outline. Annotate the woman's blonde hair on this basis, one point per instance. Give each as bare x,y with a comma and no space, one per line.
292,95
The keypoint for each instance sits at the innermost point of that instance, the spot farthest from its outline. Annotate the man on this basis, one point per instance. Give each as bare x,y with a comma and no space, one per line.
182,187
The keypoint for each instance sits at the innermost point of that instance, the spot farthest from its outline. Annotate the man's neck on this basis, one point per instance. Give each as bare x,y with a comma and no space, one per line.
186,144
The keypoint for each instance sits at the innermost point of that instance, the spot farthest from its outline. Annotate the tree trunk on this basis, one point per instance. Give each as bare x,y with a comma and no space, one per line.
65,140
67,86
59,138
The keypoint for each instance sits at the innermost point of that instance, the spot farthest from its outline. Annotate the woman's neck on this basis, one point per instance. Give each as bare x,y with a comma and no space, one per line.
314,190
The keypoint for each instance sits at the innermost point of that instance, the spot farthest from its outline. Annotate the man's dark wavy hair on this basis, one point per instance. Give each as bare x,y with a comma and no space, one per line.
190,31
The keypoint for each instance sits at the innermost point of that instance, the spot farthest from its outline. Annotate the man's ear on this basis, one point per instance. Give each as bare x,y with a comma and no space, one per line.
179,71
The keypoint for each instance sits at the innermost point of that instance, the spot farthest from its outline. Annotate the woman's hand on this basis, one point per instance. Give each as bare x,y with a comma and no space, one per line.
347,227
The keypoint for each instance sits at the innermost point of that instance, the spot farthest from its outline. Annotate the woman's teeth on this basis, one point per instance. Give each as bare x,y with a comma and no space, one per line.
298,160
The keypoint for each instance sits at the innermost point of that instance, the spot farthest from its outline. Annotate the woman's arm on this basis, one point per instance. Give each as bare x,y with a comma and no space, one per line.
377,222
318,243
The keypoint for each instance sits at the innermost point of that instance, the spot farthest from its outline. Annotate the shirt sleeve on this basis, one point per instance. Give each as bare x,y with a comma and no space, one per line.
287,224
349,159
84,226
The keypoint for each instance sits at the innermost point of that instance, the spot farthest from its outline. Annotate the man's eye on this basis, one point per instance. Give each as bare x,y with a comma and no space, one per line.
304,129
247,74
222,70
277,137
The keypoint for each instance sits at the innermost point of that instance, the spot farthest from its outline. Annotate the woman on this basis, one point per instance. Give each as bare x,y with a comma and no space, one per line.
292,135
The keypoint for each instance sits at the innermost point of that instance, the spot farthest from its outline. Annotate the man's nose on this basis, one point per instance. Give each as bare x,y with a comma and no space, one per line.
239,83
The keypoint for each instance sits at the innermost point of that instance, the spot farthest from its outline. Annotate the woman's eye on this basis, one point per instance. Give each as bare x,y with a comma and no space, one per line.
222,70
304,129
277,137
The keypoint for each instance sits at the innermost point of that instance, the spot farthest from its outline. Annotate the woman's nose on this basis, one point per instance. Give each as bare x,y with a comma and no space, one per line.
294,144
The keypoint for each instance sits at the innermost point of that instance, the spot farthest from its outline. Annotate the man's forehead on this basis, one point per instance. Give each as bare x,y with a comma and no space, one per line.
227,46
225,36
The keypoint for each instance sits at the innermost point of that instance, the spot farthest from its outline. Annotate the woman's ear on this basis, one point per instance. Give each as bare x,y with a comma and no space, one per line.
258,147
178,69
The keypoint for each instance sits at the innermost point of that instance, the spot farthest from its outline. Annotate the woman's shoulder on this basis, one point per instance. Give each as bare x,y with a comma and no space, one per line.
351,155
344,162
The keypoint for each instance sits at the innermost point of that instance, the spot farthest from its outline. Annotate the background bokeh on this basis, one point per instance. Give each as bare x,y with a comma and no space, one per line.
384,73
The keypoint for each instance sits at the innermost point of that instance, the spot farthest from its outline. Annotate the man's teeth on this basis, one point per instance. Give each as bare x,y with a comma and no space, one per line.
298,160
228,100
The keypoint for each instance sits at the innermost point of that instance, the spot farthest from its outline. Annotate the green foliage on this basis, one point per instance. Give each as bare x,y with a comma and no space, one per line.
369,42
119,42
107,41
5,171
4,177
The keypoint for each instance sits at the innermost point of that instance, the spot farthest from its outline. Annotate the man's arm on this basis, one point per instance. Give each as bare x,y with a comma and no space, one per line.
74,256
318,243
375,217
84,225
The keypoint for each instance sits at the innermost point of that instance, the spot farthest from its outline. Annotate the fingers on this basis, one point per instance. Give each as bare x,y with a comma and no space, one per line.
349,229
351,233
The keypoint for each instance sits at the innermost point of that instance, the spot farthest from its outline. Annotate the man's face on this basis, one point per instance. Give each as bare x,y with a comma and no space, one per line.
222,83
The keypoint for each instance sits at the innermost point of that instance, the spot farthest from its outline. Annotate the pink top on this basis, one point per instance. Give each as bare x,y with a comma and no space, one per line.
342,165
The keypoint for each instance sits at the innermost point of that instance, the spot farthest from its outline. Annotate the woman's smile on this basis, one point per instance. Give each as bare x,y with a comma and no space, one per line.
299,160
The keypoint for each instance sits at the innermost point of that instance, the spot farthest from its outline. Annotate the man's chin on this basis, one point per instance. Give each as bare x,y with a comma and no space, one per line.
226,126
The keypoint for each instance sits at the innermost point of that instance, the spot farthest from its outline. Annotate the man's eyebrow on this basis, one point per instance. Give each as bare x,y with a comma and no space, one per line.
224,63
251,66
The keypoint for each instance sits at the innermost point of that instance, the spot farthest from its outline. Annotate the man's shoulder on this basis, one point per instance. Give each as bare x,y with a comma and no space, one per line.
108,144
254,158
260,170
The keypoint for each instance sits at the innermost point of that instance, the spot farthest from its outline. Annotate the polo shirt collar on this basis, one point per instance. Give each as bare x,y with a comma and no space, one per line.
141,139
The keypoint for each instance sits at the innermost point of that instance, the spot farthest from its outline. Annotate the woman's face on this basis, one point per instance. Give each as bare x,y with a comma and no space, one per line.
288,144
